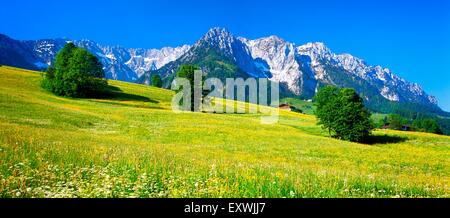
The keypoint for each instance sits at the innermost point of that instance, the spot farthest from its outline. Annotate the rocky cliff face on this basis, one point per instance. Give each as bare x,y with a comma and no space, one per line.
304,68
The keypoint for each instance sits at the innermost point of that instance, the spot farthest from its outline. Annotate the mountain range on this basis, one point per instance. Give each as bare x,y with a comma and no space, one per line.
300,70
126,64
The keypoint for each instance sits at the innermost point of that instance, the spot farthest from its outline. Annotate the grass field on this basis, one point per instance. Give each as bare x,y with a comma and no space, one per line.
305,106
133,145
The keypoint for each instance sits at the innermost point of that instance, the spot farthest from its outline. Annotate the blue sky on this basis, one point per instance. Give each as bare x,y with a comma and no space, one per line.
410,37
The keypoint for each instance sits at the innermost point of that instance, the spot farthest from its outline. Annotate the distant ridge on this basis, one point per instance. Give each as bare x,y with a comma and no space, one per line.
301,70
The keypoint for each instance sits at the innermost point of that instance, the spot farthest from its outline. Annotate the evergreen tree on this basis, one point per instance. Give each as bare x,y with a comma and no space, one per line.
187,71
156,80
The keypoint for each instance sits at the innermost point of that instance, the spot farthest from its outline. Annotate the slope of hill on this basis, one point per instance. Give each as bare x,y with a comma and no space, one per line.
307,107
301,70
133,145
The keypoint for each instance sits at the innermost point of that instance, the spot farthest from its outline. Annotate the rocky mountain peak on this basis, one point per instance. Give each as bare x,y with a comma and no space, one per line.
300,69
219,38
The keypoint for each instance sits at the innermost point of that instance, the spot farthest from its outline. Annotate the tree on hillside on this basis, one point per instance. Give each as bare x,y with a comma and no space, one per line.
156,80
427,125
187,71
326,105
343,114
381,123
76,73
396,122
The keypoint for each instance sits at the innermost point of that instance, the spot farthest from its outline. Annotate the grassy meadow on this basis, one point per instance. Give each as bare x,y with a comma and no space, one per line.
132,145
306,106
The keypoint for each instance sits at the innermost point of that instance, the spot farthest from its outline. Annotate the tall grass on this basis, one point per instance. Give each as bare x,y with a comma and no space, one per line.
133,145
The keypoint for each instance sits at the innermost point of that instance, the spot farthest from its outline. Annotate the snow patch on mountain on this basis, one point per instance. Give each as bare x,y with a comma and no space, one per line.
119,63
302,68
279,56
386,92
291,64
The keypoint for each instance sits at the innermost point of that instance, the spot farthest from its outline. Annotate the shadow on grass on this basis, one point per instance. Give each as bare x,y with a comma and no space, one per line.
384,139
370,140
115,93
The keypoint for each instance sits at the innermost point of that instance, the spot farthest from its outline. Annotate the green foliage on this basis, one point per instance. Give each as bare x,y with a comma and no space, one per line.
156,80
187,71
427,125
418,122
396,121
217,65
305,107
379,120
76,73
444,123
378,103
325,102
342,113
210,60
443,120
297,110
132,147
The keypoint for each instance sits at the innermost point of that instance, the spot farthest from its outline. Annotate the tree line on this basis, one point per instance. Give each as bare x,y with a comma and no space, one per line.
341,111
420,123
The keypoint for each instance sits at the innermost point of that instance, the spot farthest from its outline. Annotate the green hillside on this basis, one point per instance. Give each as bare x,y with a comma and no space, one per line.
133,145
306,106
